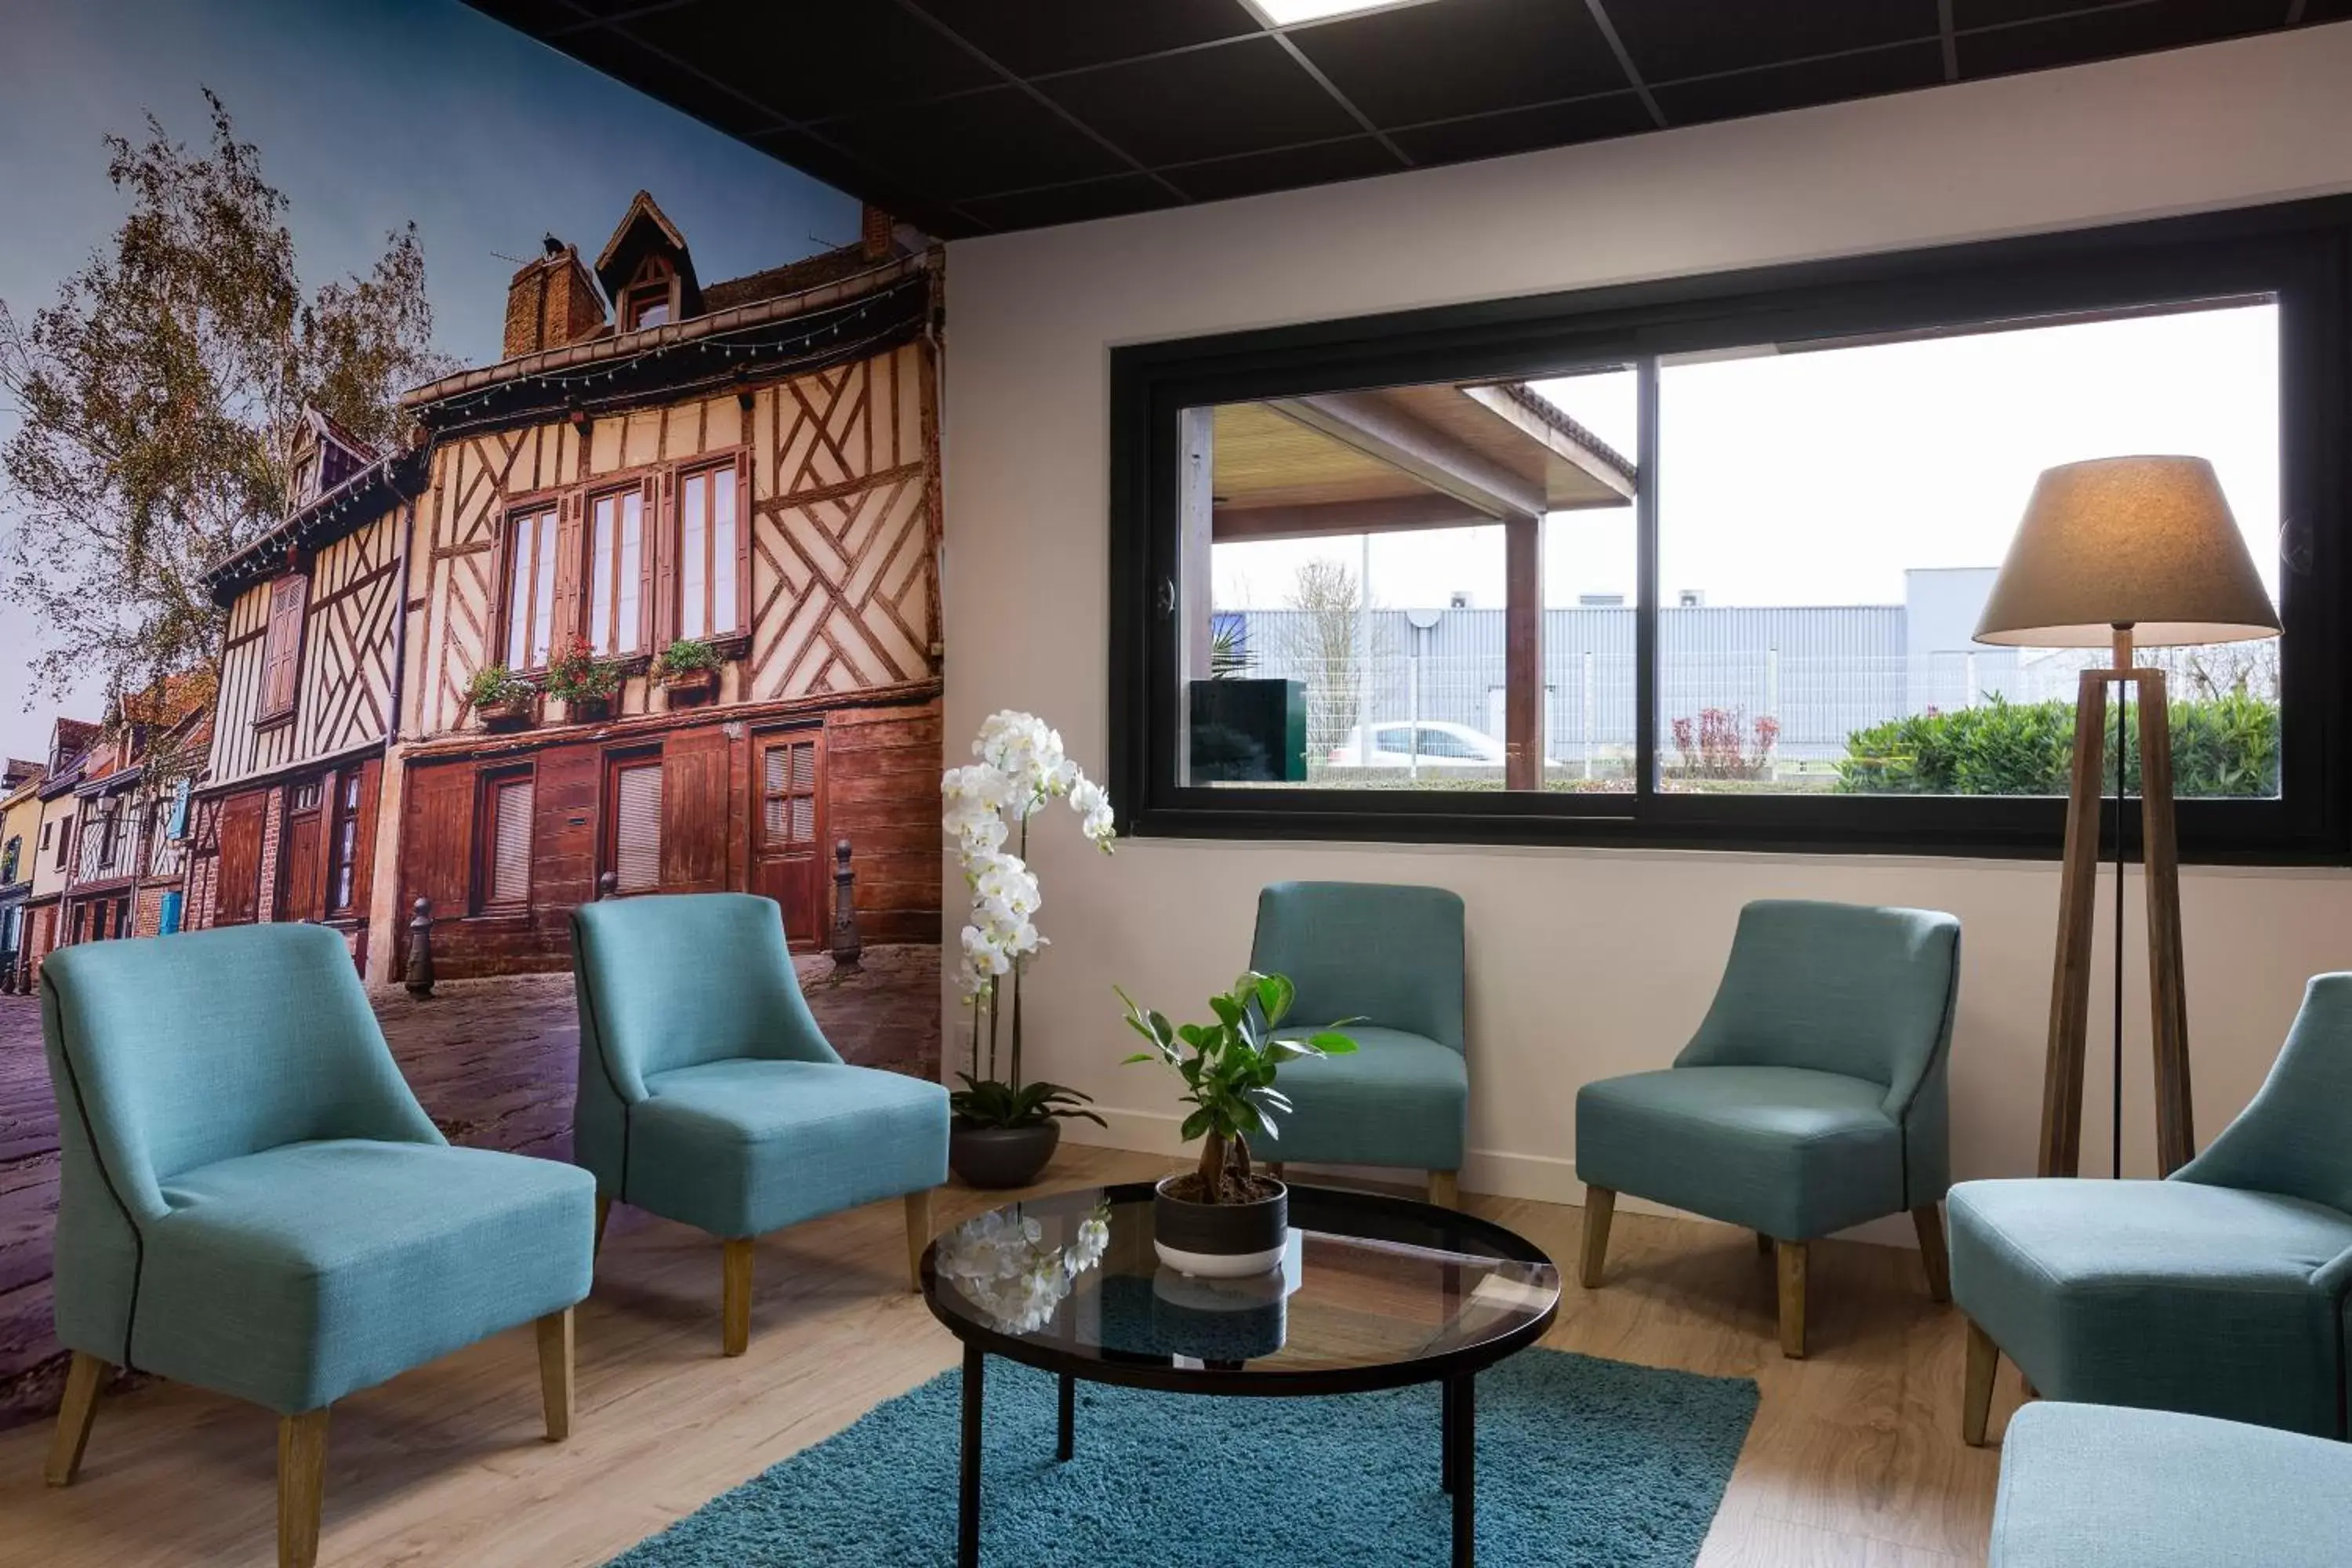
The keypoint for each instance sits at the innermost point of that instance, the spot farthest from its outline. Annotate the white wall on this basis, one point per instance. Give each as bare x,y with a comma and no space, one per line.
1588,963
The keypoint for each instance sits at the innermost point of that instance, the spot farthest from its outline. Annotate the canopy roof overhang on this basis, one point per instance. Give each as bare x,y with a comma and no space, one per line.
1448,455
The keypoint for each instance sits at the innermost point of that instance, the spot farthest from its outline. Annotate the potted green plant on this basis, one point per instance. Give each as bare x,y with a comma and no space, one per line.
689,670
1003,1128
583,683
1222,1220
504,700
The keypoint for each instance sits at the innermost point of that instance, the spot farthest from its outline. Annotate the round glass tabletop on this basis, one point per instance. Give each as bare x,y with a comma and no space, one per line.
1371,1292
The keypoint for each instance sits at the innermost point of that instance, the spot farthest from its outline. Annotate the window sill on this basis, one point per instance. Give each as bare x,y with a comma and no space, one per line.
273,720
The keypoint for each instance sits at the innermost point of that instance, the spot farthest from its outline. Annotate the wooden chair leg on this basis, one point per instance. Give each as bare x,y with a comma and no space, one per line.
735,1297
84,1378
604,1213
1600,1208
1446,1189
301,1486
1791,1254
555,1372
1976,1390
919,1236
1928,1220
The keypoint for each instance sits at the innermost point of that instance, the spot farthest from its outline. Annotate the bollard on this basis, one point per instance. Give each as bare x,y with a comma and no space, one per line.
420,949
847,946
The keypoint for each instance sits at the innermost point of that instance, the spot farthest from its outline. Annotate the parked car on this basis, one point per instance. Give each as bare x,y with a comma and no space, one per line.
1440,745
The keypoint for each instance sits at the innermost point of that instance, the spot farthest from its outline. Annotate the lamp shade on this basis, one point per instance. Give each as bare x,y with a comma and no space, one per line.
2147,543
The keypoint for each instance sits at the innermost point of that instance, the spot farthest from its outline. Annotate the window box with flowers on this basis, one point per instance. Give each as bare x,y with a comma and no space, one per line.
586,686
688,672
503,700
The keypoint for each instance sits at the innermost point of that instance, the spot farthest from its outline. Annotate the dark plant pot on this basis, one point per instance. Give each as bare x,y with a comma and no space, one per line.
994,1157
690,685
1220,1241
514,715
587,709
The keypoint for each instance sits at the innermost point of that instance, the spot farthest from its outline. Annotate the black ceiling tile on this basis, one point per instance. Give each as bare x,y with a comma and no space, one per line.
1113,197
2103,35
1463,56
2328,11
973,143
1242,97
1286,169
1030,36
811,62
808,152
1526,130
678,84
1865,75
1968,14
1673,38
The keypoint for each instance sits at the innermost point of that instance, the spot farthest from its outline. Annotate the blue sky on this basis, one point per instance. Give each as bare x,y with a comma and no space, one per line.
368,114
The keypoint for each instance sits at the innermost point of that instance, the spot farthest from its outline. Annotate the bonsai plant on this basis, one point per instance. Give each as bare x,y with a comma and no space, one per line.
688,668
501,697
1005,1127
1223,1218
584,682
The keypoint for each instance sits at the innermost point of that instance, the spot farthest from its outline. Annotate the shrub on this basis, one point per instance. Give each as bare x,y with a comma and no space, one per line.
2224,745
1716,746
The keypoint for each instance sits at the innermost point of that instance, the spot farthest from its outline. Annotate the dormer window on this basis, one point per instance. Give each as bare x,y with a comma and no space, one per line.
651,298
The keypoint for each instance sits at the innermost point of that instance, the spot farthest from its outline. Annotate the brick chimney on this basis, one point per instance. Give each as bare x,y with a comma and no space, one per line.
552,302
874,236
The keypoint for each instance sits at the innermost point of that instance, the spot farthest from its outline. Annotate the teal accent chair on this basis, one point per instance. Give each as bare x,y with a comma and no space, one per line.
254,1202
2224,1291
1392,957
709,1096
2092,1486
1812,1097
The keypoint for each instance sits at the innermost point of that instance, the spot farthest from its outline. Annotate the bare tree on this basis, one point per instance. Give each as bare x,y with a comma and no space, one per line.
1320,638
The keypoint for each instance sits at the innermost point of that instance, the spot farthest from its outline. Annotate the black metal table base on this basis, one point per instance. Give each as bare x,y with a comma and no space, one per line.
1457,1454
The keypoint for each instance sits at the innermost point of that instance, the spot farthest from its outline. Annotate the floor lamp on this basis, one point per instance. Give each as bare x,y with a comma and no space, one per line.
2118,552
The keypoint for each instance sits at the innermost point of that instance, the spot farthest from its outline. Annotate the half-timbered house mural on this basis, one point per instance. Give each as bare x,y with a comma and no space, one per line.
285,819
124,875
724,497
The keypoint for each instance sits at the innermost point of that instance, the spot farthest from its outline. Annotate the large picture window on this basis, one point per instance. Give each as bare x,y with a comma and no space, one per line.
1701,561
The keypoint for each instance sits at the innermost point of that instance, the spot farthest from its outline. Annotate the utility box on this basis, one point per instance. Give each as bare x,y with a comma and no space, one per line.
1248,731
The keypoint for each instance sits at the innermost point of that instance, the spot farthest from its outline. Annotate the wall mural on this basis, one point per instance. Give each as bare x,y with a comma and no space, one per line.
428,612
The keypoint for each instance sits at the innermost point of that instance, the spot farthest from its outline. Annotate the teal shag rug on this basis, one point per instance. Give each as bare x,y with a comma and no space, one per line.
1582,1463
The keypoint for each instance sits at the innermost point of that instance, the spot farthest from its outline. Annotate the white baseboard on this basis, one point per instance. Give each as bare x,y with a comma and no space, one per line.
1547,1178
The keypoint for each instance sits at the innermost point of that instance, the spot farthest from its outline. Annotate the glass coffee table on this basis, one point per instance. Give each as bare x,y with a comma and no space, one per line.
1373,1292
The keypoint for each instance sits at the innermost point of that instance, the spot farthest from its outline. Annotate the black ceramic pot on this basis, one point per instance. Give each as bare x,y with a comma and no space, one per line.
994,1157
1220,1241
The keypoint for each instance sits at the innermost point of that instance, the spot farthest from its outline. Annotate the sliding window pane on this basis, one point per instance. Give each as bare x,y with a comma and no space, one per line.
1831,519
1364,578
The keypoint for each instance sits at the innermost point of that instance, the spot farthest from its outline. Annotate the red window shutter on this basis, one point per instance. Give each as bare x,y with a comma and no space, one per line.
281,645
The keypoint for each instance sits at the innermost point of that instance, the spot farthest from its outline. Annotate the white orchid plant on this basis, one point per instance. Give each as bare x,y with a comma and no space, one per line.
1021,770
1000,1263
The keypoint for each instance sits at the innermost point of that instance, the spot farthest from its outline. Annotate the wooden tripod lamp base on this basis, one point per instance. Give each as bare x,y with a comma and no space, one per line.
2110,549
2070,986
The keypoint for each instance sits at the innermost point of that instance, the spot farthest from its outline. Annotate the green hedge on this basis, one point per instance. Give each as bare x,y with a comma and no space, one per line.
2221,746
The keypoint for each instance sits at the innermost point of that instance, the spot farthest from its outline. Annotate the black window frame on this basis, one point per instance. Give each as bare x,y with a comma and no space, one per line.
2299,252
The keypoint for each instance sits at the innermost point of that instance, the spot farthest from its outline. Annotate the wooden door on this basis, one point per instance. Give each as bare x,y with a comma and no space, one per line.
302,890
239,894
696,817
788,862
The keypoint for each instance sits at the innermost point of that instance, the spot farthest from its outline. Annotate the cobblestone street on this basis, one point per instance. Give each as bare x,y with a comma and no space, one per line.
492,1061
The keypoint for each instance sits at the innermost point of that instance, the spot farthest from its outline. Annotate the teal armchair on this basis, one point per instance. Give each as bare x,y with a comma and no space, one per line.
1392,957
2224,1291
253,1202
1812,1097
709,1096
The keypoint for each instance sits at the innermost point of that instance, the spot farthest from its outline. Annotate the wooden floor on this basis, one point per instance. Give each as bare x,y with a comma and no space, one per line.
1854,1459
